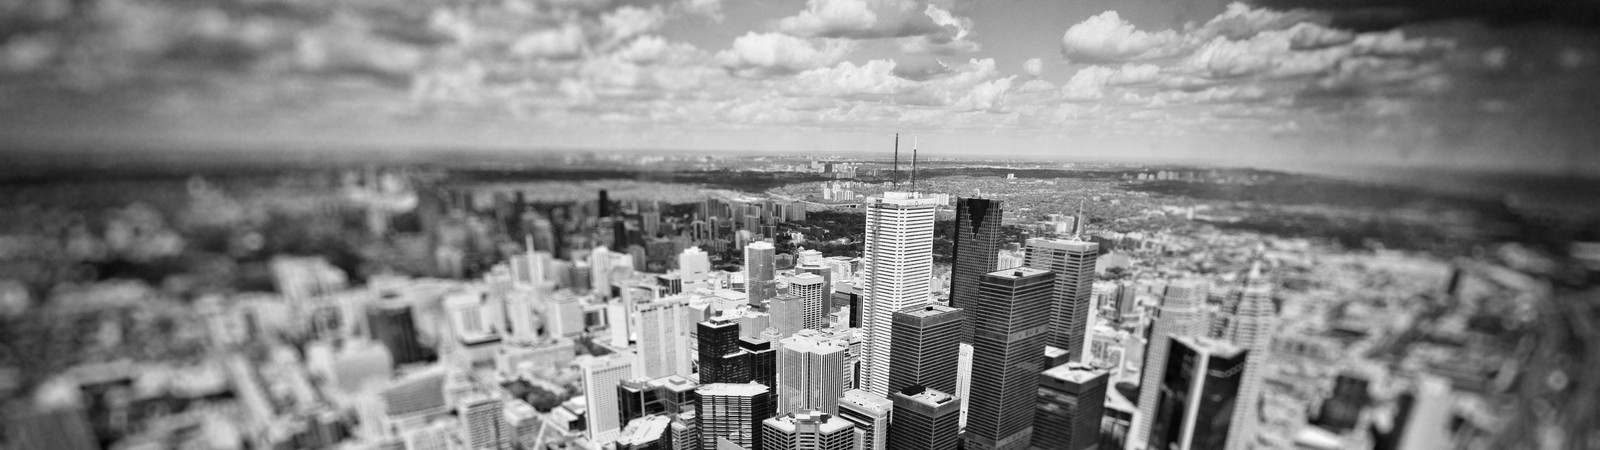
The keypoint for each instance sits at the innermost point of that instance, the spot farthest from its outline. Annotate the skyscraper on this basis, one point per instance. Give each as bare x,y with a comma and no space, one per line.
1073,262
1198,390
788,314
809,375
391,324
663,339
1012,322
927,347
1250,327
733,412
759,268
808,430
482,414
1071,403
1180,316
925,419
694,265
977,243
898,250
871,414
811,289
600,379
727,357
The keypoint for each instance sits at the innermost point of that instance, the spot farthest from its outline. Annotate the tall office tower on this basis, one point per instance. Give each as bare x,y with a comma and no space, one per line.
848,296
808,430
719,352
1341,412
1071,403
521,424
695,266
809,375
1073,262
899,256
481,415
977,243
726,357
1250,327
600,266
814,296
733,412
521,319
468,319
964,379
846,338
1180,316
600,379
1012,323
759,268
871,414
391,323
651,223
788,314
1199,387
663,338
925,419
605,205
927,347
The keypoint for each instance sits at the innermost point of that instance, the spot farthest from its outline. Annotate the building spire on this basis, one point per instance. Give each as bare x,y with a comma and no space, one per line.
913,163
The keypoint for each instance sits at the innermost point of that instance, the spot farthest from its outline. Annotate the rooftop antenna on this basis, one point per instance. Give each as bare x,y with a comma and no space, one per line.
913,163
896,176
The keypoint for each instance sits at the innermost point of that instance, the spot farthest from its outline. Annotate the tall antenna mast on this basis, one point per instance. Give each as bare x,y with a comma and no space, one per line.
913,163
896,175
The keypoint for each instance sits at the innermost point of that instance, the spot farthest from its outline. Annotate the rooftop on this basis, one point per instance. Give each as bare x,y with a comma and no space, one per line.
927,396
1063,244
827,424
1017,273
1213,347
732,389
1074,373
929,310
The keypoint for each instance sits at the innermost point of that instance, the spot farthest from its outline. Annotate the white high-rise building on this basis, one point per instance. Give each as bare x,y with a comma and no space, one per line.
760,267
1180,317
469,316
1250,328
813,300
600,379
664,339
600,271
898,259
808,374
870,414
694,265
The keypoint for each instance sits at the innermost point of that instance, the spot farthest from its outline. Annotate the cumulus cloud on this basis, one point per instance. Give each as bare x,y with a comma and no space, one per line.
761,55
565,41
630,21
986,96
1033,67
1106,37
875,77
936,28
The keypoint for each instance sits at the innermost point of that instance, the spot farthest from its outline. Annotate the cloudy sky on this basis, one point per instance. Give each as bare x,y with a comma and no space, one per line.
1469,84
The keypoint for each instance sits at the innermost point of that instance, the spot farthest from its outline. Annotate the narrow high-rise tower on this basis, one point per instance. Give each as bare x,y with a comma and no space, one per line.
1251,328
1198,391
760,266
927,348
1180,316
1071,403
898,253
1012,322
977,243
1073,261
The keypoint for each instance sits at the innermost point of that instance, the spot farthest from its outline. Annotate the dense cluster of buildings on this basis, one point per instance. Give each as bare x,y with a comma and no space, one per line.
650,348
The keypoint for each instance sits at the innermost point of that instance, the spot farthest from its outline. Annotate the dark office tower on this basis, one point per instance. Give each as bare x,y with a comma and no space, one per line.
733,412
605,205
719,352
619,233
1073,262
1341,412
925,419
1011,323
1199,387
847,296
761,363
637,398
1072,400
926,347
977,245
391,324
